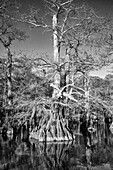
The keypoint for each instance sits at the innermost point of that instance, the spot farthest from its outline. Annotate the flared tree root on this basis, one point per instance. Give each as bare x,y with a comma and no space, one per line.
52,130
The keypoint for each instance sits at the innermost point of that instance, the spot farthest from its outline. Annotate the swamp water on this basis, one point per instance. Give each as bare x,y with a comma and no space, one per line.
18,154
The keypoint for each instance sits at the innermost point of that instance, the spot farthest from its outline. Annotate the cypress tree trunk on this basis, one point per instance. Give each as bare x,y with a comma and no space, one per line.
56,53
87,109
67,67
86,88
8,83
8,76
60,131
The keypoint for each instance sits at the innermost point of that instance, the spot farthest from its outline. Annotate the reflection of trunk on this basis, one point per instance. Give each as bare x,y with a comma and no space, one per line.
54,155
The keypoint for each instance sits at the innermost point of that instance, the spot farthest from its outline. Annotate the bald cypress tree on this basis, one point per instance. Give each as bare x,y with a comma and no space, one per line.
76,29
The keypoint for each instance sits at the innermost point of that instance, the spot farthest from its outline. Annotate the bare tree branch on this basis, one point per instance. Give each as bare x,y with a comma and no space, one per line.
67,2
53,11
65,20
70,28
52,3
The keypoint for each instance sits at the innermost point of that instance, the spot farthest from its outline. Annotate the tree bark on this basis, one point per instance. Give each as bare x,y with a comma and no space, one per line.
56,53
9,78
86,88
8,84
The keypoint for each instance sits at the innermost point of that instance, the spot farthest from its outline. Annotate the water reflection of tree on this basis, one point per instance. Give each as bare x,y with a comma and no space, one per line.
53,156
56,156
63,155
7,153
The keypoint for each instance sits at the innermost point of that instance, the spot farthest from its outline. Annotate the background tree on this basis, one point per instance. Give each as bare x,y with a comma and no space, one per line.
8,33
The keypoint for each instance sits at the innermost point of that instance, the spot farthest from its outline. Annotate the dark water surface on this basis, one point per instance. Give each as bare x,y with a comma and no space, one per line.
31,155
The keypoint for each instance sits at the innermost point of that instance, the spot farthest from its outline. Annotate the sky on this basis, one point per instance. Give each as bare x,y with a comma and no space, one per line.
101,73
40,42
